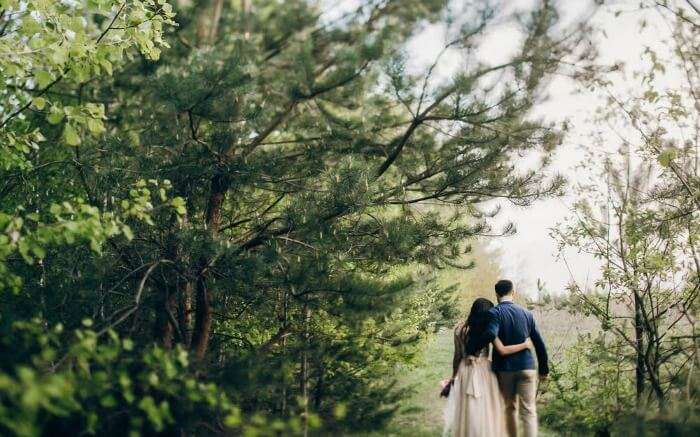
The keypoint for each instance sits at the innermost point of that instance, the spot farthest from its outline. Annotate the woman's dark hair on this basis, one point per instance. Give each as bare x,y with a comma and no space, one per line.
478,315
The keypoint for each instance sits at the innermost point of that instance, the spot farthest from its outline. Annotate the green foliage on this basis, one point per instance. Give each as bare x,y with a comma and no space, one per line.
75,222
357,341
260,195
101,384
590,390
70,43
639,218
47,42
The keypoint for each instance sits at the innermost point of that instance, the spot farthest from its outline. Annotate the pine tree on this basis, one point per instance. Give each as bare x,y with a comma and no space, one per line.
280,169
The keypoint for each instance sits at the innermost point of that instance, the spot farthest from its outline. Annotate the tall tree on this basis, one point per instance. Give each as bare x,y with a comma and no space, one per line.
643,227
305,162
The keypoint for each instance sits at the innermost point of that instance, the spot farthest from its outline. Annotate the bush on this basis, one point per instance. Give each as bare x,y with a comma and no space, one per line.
589,390
103,385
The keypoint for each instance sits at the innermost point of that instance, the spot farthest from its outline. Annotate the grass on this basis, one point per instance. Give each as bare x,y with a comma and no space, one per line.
422,414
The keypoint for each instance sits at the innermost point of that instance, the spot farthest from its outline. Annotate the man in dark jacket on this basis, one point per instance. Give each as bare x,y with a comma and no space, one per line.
517,373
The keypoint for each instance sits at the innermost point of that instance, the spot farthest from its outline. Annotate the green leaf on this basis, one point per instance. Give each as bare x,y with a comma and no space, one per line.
108,401
43,78
71,135
107,66
128,233
95,126
232,420
179,204
55,115
95,246
23,247
39,252
39,103
666,157
59,55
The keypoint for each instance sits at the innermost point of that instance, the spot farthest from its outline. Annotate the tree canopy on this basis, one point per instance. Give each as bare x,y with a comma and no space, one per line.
227,215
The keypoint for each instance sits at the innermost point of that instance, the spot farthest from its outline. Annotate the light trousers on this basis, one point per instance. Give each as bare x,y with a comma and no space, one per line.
519,388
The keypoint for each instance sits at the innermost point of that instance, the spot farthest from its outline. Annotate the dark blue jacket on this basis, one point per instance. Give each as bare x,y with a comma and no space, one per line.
512,324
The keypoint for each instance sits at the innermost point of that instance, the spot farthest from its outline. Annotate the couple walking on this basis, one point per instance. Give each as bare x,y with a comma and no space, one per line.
484,394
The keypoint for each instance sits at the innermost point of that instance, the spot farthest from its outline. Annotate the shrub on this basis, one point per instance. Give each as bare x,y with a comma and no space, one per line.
103,385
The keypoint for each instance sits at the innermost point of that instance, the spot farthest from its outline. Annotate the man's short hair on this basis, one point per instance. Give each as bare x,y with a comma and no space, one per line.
504,287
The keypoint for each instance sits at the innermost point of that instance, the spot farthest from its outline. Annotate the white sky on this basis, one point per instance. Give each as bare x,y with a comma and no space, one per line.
531,253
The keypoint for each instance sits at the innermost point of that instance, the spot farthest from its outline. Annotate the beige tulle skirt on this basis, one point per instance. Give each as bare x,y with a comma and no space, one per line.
475,407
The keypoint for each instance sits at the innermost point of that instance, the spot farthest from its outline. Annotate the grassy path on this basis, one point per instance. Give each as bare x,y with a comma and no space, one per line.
421,414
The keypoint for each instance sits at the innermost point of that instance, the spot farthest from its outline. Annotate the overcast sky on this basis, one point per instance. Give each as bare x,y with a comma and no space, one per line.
530,254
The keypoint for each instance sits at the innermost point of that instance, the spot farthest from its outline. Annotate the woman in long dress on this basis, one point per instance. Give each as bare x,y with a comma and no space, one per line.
475,404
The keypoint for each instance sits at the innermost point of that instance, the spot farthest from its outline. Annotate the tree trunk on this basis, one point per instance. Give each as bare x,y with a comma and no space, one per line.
207,30
217,193
202,322
203,313
185,312
640,369
165,308
655,380
166,302
283,320
208,22
304,376
318,390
